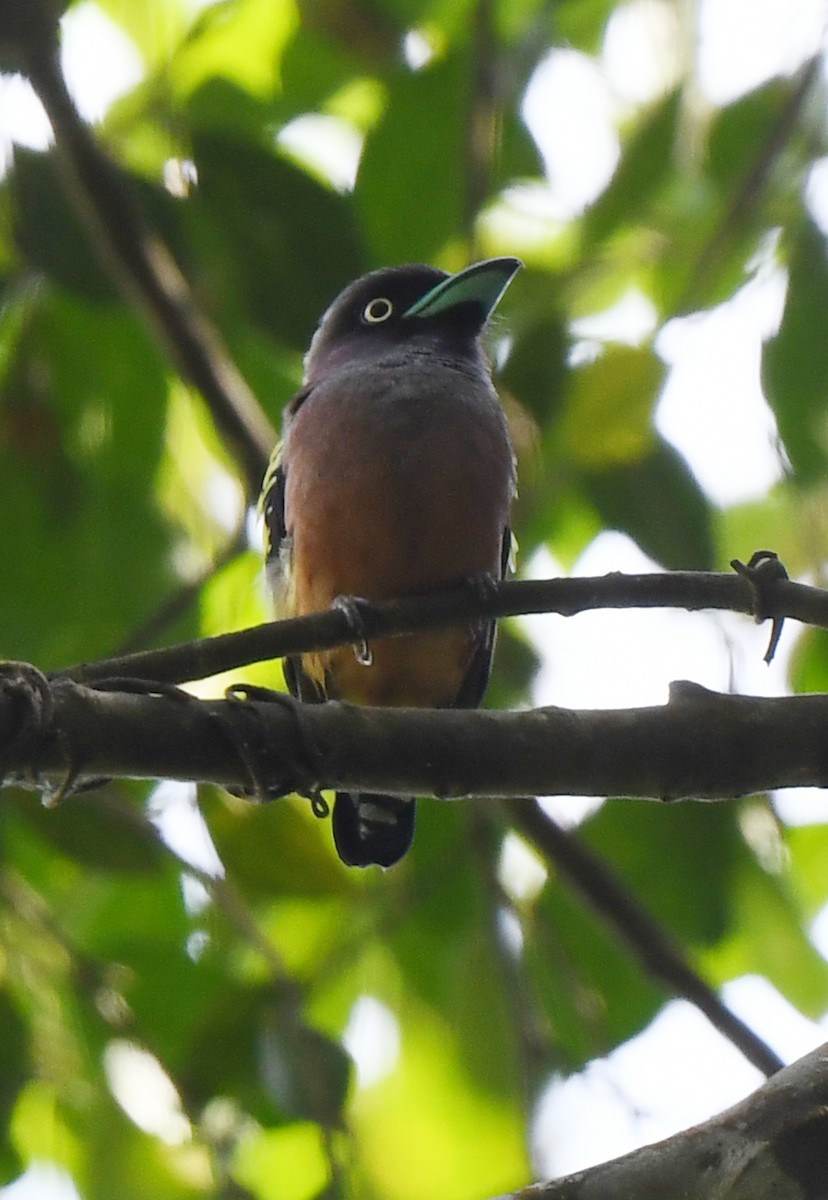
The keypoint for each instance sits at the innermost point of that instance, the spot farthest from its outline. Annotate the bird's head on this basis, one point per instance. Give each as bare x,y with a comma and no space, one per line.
413,305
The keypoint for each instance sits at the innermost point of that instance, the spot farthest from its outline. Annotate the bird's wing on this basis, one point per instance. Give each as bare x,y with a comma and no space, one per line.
278,551
300,685
476,679
272,502
278,543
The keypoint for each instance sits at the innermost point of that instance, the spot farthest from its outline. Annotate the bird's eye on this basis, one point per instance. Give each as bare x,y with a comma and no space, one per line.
376,311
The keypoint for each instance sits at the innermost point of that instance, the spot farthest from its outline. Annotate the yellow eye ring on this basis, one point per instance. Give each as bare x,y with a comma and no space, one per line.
377,310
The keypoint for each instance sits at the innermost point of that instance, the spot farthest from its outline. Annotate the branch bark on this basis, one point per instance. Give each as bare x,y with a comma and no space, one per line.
771,1146
699,744
55,736
691,590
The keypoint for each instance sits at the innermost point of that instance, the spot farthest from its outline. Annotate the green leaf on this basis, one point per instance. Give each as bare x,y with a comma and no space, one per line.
315,67
775,520
644,167
537,364
100,830
692,841
475,1142
586,983
739,132
658,502
83,430
767,938
121,1160
172,1016
807,846
271,849
410,189
609,403
284,244
306,1074
438,958
581,23
154,26
365,32
795,362
15,1070
254,1046
49,234
221,1054
289,1163
809,666
242,42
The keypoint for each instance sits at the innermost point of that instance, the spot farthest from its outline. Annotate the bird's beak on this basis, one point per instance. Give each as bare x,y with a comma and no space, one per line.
481,284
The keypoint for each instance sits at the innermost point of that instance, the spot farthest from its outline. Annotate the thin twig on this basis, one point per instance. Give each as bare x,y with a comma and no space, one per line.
691,590
179,603
748,196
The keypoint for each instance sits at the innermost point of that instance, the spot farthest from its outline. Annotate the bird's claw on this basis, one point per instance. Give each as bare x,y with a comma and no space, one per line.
32,704
762,571
268,778
356,610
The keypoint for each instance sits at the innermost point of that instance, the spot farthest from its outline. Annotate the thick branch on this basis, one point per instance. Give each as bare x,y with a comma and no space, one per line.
692,590
771,1146
67,732
700,744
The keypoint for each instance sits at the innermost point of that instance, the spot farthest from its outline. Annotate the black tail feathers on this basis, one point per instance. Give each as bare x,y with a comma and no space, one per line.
371,828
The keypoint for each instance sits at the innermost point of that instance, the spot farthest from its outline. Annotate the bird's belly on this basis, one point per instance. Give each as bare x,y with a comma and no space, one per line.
422,671
381,561
416,503
408,544
390,499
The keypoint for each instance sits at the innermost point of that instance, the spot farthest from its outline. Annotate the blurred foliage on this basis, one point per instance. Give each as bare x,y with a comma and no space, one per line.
168,1032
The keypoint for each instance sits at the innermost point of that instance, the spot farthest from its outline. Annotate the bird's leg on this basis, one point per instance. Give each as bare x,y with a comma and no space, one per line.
356,609
483,584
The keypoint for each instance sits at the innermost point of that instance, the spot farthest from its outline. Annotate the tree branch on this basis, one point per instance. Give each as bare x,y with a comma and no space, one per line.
749,194
691,590
700,744
771,1146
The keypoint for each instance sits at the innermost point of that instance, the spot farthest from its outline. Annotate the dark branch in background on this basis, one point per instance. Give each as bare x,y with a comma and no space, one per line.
771,1146
136,258
180,602
657,952
747,198
536,1054
692,590
481,119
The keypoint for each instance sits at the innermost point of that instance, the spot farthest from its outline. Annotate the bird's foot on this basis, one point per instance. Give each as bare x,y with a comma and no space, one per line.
272,771
356,610
31,707
762,572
